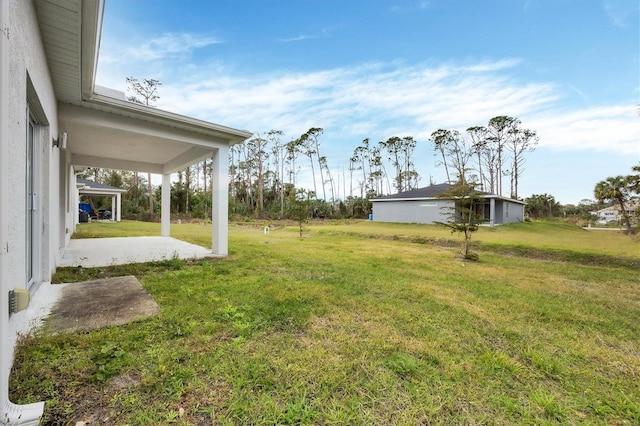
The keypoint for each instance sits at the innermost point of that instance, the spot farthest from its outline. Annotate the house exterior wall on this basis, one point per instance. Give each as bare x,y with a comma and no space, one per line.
28,65
508,212
28,84
412,211
430,211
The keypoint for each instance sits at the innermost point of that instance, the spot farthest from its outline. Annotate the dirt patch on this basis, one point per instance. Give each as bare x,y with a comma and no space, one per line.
91,305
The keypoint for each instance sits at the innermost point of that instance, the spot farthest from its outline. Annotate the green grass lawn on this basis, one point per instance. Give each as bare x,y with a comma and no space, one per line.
360,323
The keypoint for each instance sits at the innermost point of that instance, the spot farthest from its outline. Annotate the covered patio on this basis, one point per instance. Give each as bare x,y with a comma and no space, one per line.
98,252
108,131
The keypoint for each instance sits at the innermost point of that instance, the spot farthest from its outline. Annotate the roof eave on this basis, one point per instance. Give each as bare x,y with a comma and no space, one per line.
83,91
152,114
92,18
409,199
446,198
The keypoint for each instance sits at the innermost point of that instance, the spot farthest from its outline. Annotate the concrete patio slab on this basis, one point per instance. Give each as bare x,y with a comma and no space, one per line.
95,252
95,304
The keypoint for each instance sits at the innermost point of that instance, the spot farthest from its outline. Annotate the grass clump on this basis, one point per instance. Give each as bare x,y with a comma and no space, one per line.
359,324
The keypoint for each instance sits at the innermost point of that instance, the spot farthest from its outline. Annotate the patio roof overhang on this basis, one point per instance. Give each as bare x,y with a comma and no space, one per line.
115,134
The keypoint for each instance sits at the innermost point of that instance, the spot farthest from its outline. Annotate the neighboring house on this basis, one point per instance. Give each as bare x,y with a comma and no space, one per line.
89,188
425,205
54,122
614,213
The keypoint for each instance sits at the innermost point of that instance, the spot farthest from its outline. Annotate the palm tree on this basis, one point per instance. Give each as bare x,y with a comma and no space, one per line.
616,190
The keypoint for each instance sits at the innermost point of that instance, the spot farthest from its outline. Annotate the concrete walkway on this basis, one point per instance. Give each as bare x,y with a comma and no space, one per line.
91,305
93,252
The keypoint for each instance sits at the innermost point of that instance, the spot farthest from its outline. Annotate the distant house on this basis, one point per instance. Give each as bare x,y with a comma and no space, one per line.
426,205
614,213
89,188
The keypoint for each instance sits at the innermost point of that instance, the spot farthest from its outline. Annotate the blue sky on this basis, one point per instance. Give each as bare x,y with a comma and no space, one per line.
568,69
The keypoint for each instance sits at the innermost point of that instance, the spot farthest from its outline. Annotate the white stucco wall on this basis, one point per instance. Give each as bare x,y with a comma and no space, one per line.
27,58
24,60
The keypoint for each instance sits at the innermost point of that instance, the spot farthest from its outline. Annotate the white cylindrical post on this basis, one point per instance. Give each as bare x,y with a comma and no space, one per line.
220,202
165,212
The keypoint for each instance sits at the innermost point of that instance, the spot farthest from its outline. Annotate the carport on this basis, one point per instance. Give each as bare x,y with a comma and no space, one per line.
89,188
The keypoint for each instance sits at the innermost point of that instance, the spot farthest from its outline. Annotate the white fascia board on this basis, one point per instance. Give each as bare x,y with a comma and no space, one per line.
144,112
100,191
91,19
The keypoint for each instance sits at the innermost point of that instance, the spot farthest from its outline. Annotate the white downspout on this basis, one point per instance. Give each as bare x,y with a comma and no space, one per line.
11,414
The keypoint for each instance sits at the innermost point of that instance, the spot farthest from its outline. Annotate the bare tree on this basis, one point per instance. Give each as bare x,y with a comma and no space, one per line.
312,138
400,151
148,90
361,156
440,139
520,142
278,151
257,151
293,149
456,151
478,135
500,130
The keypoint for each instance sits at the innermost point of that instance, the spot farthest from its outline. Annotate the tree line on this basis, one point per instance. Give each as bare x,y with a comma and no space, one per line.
264,172
264,169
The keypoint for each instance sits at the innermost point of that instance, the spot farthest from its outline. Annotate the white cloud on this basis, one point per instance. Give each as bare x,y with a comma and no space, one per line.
604,128
379,100
621,11
377,97
163,46
298,38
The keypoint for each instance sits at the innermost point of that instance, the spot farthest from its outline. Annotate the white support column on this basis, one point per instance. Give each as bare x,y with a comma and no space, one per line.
492,212
165,212
113,207
118,207
75,199
220,202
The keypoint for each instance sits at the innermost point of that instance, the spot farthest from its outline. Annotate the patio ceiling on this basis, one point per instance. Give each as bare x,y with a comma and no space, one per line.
111,133
106,130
